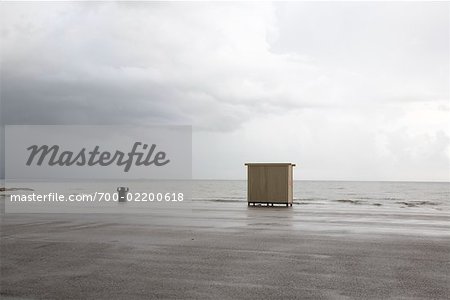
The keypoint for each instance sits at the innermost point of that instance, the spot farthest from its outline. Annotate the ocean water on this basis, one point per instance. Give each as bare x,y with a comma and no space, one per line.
346,195
424,195
328,207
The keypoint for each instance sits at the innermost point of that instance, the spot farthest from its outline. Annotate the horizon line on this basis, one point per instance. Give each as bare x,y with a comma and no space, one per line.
222,179
338,180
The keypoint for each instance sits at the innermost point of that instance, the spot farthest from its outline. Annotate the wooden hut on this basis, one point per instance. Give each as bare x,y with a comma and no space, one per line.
270,183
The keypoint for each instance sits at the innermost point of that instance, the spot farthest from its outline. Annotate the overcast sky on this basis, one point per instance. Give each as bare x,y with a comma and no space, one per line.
347,91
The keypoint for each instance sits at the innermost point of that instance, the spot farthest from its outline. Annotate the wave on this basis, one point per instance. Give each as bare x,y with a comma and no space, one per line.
417,203
220,200
2,189
349,201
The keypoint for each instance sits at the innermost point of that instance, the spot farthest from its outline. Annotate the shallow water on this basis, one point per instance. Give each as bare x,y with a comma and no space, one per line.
319,206
426,195
429,195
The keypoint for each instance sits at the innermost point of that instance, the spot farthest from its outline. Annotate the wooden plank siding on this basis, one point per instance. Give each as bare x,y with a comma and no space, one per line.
270,183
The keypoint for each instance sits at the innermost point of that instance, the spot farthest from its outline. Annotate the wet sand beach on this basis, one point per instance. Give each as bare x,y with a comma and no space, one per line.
214,250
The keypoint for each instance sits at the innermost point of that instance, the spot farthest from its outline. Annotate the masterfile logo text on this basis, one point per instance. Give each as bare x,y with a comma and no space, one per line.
53,155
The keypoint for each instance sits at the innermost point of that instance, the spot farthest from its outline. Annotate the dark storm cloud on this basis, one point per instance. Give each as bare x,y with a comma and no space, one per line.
114,63
85,102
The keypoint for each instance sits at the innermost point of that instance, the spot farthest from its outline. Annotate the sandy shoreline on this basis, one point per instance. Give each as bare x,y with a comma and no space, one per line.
221,250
